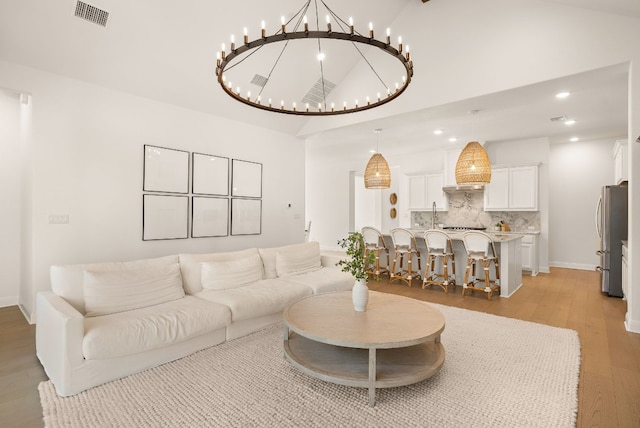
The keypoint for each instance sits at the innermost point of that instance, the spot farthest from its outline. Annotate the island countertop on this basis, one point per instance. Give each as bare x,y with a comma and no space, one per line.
457,235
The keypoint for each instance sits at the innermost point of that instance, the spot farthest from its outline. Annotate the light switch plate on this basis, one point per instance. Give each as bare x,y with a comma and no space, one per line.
58,218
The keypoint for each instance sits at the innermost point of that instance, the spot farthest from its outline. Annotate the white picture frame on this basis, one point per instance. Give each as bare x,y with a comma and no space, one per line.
246,216
210,175
246,179
165,217
165,170
210,217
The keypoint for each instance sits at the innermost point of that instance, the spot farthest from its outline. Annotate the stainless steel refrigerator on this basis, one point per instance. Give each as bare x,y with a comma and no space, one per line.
611,225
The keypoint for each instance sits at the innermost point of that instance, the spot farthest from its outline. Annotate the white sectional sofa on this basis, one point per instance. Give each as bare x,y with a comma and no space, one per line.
103,321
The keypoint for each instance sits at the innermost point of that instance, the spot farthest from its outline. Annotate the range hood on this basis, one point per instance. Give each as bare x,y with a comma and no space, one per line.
463,188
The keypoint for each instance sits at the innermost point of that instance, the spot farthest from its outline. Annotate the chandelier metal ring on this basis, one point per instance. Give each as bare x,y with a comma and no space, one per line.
225,59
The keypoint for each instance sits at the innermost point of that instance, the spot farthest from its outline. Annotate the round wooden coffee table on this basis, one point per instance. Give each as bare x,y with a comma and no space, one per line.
396,342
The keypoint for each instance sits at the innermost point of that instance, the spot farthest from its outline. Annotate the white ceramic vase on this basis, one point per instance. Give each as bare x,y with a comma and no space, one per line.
360,295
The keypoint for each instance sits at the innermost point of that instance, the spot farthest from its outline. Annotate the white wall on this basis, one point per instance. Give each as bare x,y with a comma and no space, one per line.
577,173
87,144
10,177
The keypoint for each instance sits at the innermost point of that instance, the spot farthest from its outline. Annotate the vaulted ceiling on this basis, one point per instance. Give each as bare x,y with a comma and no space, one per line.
165,50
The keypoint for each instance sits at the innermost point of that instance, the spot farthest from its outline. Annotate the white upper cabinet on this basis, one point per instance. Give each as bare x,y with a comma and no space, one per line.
496,193
450,161
513,188
620,161
424,190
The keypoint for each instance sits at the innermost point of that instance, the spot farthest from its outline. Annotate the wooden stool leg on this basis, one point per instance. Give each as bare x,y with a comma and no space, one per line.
465,284
445,274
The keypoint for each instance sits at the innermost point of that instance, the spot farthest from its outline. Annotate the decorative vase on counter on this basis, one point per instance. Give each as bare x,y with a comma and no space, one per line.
360,295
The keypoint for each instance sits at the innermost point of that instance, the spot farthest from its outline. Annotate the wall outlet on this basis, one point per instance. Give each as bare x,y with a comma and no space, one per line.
58,218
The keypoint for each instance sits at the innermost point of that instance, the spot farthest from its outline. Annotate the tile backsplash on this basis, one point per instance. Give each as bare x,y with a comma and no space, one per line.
467,209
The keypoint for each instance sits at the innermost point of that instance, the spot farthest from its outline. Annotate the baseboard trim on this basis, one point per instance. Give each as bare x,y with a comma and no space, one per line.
8,301
631,325
579,266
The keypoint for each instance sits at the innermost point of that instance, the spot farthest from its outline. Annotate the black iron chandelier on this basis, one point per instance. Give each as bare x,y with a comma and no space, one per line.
297,29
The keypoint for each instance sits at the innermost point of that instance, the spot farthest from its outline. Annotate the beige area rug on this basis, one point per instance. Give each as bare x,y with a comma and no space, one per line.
498,372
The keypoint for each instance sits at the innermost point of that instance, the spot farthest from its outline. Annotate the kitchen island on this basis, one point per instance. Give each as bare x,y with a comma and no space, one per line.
508,247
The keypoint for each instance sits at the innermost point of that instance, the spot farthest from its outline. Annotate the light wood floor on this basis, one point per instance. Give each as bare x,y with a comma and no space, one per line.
609,391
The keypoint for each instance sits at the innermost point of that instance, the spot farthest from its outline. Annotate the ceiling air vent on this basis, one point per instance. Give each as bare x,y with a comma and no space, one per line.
91,13
259,80
314,96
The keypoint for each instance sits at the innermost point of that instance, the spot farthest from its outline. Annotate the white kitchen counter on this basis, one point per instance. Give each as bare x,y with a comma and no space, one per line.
509,248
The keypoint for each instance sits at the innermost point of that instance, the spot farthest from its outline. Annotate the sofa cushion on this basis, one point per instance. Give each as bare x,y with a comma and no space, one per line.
303,260
324,280
221,275
67,280
113,288
257,299
131,332
191,266
269,256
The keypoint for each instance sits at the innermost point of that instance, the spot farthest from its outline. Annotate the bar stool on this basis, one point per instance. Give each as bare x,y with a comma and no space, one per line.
439,246
480,249
404,247
374,242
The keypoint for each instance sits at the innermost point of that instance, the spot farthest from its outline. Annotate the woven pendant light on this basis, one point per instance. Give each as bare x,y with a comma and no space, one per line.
377,174
473,166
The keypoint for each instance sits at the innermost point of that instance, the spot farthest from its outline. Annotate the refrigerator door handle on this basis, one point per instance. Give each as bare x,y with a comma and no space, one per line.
598,217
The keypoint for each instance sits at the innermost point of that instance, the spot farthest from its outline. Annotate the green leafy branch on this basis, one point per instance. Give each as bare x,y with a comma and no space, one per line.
359,257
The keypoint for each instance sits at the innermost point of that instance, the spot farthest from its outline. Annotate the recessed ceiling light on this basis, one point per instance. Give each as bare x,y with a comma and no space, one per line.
562,95
574,139
438,131
453,139
569,122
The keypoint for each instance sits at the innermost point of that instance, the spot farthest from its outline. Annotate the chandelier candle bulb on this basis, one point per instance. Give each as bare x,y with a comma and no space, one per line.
368,102
284,28
246,36
388,36
233,42
332,107
294,106
407,53
371,30
351,25
263,31
319,107
399,44
306,24
222,53
328,24
258,100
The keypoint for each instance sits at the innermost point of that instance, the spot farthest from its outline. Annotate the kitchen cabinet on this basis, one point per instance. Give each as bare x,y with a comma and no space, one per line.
512,188
530,254
450,161
424,190
620,161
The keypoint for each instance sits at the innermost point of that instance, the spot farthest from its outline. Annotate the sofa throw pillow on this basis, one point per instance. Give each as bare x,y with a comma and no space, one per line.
302,260
108,291
269,255
222,275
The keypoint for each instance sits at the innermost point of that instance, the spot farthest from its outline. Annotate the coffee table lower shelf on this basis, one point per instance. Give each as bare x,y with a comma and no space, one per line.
364,367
